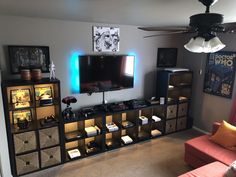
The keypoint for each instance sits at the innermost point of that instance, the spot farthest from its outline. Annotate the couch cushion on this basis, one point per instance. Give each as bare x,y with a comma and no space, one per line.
215,169
225,135
208,151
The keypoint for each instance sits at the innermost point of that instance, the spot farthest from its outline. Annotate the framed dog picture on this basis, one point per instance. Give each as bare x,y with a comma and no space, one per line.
28,57
220,73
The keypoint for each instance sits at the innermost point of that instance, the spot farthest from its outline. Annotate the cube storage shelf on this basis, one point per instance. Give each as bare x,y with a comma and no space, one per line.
176,88
34,143
41,146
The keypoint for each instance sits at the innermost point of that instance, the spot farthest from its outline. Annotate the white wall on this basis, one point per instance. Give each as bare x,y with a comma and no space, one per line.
66,37
5,170
208,108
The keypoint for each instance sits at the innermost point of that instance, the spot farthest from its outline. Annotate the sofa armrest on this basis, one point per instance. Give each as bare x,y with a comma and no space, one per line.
215,127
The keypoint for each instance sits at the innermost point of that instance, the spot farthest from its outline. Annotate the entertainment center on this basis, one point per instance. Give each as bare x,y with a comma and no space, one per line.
41,136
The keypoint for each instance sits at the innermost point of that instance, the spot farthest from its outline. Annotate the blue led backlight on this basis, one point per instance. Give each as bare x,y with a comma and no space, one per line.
135,65
74,72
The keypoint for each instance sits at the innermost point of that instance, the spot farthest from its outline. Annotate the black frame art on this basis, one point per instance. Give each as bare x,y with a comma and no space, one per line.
28,57
220,74
167,57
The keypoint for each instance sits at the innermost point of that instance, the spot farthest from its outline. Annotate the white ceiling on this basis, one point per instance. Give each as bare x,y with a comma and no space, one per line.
130,12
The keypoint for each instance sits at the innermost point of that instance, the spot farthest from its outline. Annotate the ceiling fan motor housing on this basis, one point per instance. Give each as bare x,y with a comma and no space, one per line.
207,23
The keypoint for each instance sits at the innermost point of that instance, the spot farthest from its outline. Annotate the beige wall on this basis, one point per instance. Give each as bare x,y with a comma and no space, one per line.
208,108
66,37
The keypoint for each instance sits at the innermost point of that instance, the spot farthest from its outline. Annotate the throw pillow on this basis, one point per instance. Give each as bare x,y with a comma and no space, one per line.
225,135
231,172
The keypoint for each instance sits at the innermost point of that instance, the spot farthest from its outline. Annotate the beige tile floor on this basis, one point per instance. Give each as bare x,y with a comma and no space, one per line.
161,157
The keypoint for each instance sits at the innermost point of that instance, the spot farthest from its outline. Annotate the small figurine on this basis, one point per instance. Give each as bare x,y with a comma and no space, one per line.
52,69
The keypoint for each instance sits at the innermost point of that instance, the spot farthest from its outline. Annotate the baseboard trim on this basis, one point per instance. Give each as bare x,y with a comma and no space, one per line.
200,130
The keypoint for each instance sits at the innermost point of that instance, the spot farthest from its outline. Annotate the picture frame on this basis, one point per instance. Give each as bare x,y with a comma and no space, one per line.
40,91
20,98
21,114
28,57
220,74
106,39
167,57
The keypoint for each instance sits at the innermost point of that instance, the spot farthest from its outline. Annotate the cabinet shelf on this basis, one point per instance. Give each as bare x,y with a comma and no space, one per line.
35,143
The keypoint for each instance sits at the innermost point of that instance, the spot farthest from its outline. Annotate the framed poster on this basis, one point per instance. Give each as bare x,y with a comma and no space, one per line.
20,98
220,73
166,57
43,91
106,39
28,57
23,114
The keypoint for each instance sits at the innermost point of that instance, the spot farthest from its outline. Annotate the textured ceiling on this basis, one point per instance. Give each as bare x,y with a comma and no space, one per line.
130,12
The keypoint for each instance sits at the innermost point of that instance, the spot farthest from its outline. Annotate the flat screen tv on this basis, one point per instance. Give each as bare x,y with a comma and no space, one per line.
106,73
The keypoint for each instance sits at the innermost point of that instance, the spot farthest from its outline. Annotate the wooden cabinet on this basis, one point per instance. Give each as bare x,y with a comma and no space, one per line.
33,116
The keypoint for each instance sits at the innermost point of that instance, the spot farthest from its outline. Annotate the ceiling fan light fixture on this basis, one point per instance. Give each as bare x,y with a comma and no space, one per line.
195,45
201,45
216,44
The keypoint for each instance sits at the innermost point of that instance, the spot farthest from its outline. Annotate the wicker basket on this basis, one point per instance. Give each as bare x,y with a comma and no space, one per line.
182,109
27,163
170,126
48,137
51,156
171,111
181,123
25,142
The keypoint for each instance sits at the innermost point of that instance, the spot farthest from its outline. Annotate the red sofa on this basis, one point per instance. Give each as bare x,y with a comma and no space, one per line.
209,158
201,151
215,169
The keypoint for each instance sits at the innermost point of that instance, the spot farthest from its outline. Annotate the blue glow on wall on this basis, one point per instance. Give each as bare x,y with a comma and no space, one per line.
74,72
135,65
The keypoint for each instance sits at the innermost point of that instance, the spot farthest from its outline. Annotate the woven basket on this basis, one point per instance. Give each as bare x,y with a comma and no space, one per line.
27,163
50,157
182,109
25,142
181,123
48,137
171,111
170,126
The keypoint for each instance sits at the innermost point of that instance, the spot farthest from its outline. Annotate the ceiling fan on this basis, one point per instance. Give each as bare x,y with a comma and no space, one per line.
204,25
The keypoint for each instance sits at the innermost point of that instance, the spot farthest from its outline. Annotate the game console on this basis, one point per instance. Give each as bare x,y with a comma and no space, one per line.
127,124
143,120
74,153
126,139
111,127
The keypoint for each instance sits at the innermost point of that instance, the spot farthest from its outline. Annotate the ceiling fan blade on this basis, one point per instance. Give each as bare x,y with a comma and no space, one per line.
183,28
165,34
229,27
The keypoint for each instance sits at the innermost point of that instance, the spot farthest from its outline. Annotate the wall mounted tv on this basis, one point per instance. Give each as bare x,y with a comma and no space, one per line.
106,73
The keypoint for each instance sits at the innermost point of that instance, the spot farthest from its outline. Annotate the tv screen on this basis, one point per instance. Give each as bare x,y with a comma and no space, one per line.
106,73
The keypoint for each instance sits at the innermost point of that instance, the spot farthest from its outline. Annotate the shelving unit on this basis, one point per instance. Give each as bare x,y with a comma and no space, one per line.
37,145
108,140
41,146
176,88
